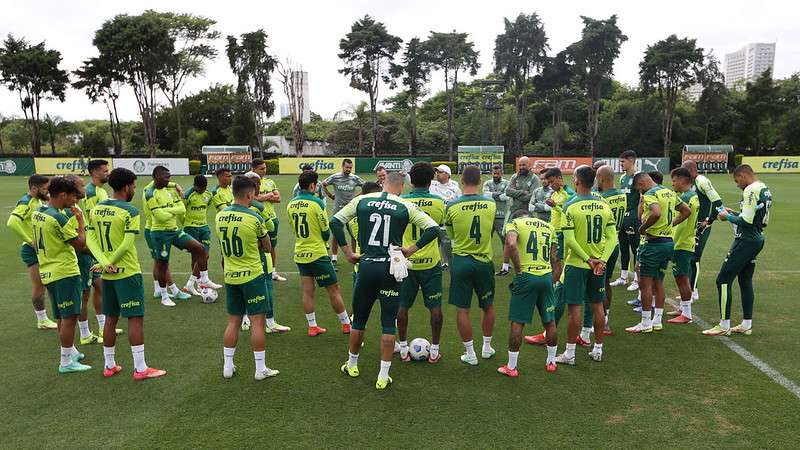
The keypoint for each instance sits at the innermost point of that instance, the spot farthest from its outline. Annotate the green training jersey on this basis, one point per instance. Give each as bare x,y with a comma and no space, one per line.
469,221
632,204
618,202
534,240
668,201
587,218
559,199
268,215
344,188
432,205
268,185
163,198
754,217
148,216
309,222
382,219
108,223
239,229
196,208
52,233
685,231
221,197
23,211
707,196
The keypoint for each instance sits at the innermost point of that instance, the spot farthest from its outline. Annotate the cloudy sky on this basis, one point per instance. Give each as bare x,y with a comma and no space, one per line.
308,32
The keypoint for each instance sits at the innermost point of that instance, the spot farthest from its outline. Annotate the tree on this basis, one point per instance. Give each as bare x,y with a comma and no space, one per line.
102,82
759,104
33,72
451,53
414,72
357,114
4,122
54,127
709,105
141,49
364,50
555,85
253,67
669,66
193,36
292,79
593,57
518,52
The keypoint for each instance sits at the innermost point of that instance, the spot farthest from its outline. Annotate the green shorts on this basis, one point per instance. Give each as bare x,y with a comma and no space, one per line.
560,249
429,280
582,285
148,239
682,263
200,234
28,255
528,292
375,284
273,235
612,261
65,296
124,297
164,240
85,263
247,298
467,274
654,257
321,269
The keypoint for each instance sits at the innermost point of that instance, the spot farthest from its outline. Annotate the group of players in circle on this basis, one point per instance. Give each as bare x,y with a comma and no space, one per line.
562,243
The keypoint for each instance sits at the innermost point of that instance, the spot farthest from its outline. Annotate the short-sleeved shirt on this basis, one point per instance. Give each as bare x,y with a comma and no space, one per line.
239,229
269,225
382,220
24,208
52,233
534,240
344,188
196,208
94,195
626,186
618,202
559,199
221,197
587,217
756,203
268,185
148,216
160,199
469,220
685,231
706,195
668,201
108,222
432,205
310,225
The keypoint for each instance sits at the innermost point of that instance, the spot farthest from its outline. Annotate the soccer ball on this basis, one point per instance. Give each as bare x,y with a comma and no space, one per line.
208,295
419,349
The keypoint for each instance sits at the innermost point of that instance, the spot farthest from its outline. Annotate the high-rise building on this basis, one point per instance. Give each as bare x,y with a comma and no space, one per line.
748,63
283,109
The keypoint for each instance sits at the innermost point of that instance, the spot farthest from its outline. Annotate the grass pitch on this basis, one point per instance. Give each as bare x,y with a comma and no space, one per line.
670,389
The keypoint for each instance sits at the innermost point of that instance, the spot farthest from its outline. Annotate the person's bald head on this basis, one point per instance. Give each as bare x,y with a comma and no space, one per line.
394,183
524,165
605,178
598,164
691,166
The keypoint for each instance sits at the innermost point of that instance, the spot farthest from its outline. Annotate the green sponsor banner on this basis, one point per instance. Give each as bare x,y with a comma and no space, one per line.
16,166
391,164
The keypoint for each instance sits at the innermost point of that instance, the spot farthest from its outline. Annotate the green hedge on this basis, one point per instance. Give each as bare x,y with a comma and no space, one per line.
737,159
508,169
272,166
451,164
194,166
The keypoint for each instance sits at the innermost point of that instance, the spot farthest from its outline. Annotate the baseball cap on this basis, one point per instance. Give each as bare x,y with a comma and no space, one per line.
444,168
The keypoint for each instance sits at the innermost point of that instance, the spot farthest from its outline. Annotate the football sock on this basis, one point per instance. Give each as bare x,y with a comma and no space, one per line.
646,319
352,360
41,314
570,351
384,373
204,276
109,354
598,348
138,358
469,349
512,360
551,353
487,343
505,266
686,309
164,292
624,275
84,327
657,314
173,289
403,348
260,358
585,333
434,351
333,258
343,317
66,356
227,355
747,323
312,319
156,290
271,322
725,324
192,281
246,320
101,322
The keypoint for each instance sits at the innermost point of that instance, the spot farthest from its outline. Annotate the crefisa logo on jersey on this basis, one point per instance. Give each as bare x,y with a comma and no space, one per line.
8,166
383,204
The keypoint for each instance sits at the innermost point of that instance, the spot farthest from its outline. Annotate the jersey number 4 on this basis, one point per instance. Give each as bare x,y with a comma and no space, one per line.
475,229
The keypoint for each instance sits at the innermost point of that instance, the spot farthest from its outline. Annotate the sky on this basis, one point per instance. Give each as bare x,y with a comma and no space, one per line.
308,32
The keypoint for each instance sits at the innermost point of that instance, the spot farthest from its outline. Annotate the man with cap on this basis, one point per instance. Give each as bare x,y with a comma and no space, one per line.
449,190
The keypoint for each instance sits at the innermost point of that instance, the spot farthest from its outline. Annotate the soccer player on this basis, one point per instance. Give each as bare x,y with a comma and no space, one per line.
629,234
468,220
448,190
426,269
195,224
382,220
222,193
684,243
344,190
20,223
380,175
56,240
521,186
741,259
112,228
165,208
352,230
617,201
710,203
269,195
531,244
174,292
590,237
659,205
495,188
243,239
311,231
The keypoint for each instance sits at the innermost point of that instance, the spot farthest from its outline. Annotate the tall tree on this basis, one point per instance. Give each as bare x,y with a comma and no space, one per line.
414,72
709,105
4,122
32,72
193,36
54,127
253,67
555,85
451,53
760,103
292,78
669,66
593,57
102,82
366,50
519,52
142,49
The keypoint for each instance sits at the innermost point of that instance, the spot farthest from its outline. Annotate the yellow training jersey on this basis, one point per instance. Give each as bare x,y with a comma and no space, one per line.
534,240
108,223
309,223
432,205
685,231
469,221
667,200
589,222
52,233
239,229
